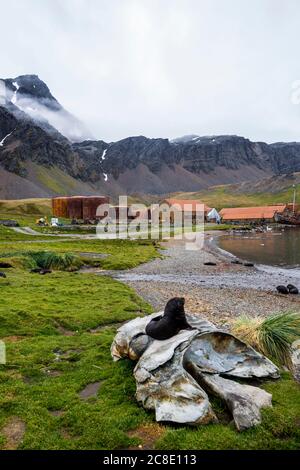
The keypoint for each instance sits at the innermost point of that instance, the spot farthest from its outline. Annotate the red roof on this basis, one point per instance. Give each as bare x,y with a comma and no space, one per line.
190,202
247,213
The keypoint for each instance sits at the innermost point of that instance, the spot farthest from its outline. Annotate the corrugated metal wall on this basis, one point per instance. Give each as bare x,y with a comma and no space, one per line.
90,205
77,207
60,207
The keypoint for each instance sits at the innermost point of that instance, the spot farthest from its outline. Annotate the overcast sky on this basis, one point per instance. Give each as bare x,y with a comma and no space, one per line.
162,68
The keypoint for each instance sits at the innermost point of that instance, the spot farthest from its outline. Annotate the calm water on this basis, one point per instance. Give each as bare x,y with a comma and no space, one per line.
277,248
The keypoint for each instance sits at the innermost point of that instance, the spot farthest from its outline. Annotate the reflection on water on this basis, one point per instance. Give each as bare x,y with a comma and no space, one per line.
277,248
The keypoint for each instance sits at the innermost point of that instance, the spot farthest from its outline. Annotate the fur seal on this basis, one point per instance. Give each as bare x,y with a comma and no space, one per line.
292,289
282,290
171,322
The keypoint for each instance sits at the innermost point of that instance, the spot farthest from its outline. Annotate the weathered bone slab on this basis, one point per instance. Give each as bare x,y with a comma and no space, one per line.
121,345
221,353
244,401
295,358
170,391
173,375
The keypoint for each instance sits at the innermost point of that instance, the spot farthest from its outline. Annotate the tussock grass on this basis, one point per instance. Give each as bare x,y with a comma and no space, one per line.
123,254
272,336
51,260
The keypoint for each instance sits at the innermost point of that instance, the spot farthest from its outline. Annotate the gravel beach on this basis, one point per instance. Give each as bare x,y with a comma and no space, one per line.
219,293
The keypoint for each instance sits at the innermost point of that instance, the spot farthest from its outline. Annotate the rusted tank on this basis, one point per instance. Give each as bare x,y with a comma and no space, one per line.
90,205
75,205
60,207
122,213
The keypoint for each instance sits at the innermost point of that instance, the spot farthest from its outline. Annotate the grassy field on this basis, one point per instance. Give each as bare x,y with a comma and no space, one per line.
60,389
121,254
25,207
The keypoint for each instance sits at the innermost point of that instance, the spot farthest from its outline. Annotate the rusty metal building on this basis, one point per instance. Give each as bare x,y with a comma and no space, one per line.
90,205
77,207
60,207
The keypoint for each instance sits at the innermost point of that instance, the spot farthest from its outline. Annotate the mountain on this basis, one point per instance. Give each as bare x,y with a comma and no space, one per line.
44,151
32,96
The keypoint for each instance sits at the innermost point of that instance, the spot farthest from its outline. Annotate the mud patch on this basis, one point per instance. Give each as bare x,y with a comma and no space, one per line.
13,432
66,434
32,380
12,339
148,434
72,355
53,372
90,390
100,328
57,413
94,255
63,331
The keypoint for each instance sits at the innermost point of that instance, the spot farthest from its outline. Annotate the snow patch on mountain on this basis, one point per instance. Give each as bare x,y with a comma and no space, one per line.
3,140
14,97
185,139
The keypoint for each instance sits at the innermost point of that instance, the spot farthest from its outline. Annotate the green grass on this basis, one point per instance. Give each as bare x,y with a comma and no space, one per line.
75,301
78,303
25,207
122,254
56,180
8,234
58,330
36,349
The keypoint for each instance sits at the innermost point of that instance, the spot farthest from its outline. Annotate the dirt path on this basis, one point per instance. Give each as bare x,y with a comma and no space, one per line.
30,231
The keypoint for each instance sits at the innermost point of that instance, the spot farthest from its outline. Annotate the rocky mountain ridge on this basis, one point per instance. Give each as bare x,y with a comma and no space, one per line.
35,132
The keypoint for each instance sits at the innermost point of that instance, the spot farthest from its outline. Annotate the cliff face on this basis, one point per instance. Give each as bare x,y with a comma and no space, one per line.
35,129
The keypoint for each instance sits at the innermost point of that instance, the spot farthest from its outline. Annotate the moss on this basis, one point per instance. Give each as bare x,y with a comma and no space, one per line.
51,356
55,180
48,324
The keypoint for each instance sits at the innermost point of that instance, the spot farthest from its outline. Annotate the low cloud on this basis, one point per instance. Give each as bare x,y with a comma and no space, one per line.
44,111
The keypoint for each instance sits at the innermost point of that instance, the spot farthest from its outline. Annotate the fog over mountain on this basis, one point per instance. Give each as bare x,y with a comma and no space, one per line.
42,153
32,96
162,67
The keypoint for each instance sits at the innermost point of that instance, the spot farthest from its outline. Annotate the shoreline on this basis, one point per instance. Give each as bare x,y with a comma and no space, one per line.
291,272
218,293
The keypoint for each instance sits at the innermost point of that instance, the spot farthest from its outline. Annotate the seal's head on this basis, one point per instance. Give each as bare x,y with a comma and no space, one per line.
175,307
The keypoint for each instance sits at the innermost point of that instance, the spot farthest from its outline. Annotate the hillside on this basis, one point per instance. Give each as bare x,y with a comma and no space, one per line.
45,151
272,190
